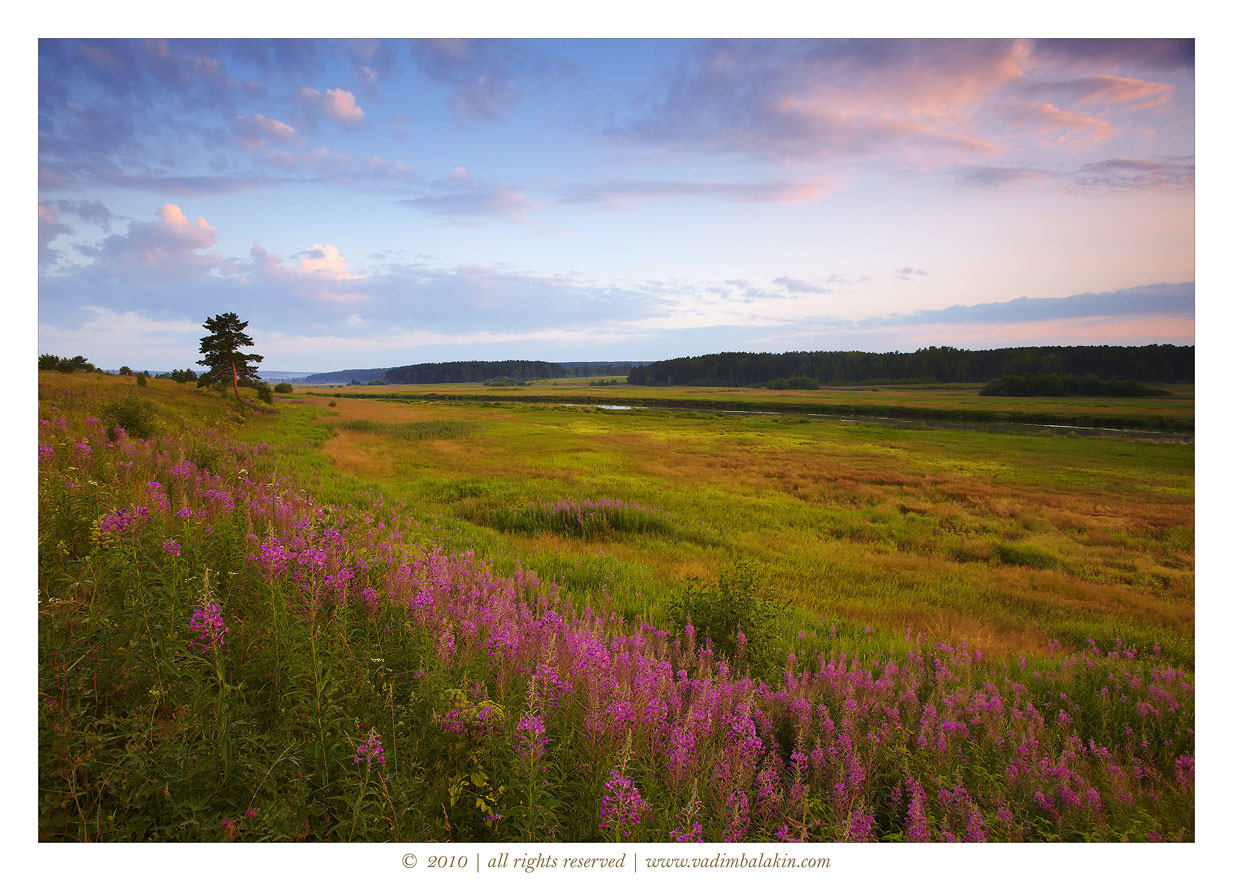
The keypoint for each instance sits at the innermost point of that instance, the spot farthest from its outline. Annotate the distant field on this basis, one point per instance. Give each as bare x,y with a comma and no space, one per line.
959,401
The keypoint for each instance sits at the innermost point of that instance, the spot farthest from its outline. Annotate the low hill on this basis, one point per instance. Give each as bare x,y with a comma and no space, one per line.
362,374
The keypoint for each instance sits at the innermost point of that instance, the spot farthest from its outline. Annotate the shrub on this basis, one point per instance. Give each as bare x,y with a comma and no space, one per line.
263,393
132,414
283,388
1056,385
732,613
126,370
141,379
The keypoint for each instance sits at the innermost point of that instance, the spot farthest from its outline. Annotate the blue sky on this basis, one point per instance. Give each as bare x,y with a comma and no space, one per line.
382,202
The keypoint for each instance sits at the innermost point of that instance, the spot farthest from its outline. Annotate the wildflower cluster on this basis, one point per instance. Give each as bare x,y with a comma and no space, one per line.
531,741
622,809
209,628
370,750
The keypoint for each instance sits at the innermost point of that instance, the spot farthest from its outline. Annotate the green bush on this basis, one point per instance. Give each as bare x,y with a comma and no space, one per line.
141,379
726,610
283,388
264,394
132,414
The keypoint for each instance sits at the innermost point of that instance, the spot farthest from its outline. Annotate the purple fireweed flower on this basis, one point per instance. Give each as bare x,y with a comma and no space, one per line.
530,740
682,834
622,808
550,686
445,646
861,827
738,816
370,751
123,520
171,546
208,626
918,829
1183,771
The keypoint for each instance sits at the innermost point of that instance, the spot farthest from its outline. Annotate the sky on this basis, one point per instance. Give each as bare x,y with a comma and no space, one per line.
372,203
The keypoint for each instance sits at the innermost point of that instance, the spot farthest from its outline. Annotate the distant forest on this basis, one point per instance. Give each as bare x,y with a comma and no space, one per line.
478,371
1156,363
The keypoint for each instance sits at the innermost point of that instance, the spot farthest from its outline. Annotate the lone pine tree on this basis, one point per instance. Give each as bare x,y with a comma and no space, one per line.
222,350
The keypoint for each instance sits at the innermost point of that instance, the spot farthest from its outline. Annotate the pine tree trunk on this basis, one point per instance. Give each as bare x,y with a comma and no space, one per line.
235,381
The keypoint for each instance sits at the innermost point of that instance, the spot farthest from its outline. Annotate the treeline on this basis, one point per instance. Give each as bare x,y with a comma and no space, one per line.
479,371
1054,385
1155,363
66,365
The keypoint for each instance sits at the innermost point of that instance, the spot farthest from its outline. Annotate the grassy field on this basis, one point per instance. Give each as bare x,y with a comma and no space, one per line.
345,618
1006,542
955,401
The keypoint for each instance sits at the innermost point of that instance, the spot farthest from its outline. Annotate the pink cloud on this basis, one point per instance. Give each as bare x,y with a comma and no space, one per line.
254,130
338,104
396,169
49,225
175,226
324,261
1101,90
1058,126
806,99
624,194
1123,90
171,246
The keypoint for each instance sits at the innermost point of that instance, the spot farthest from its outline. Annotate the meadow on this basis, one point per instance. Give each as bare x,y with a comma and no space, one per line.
959,402
346,618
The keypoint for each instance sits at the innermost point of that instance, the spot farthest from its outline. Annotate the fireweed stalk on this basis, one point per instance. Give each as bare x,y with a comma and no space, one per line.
209,638
531,747
369,752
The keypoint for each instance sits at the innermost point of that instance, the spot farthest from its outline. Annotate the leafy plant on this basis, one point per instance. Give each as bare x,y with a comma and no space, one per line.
132,414
732,613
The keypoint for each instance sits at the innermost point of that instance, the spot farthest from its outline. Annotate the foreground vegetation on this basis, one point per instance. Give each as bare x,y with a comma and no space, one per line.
363,620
